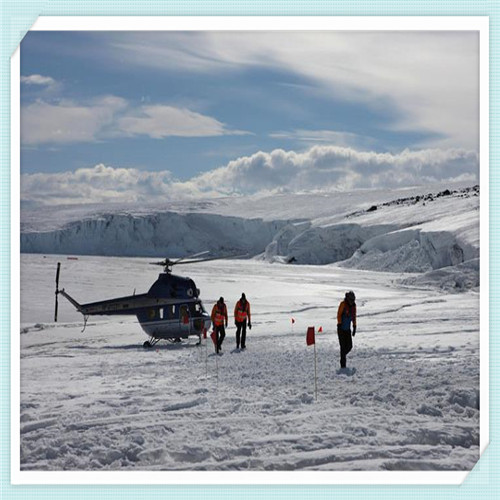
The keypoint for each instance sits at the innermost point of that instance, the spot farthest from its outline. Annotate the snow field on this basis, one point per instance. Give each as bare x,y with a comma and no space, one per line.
98,401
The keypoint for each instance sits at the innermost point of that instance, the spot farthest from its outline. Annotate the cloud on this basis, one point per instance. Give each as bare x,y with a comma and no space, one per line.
38,80
164,121
99,184
319,168
429,80
69,121
344,139
333,167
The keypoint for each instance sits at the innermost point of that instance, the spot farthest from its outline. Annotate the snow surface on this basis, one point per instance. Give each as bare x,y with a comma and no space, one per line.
96,400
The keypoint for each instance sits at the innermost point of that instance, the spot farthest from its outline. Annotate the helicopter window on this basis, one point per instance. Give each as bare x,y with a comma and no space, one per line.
184,317
168,312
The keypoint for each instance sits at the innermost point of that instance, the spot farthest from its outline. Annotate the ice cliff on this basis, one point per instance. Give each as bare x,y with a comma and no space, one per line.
165,234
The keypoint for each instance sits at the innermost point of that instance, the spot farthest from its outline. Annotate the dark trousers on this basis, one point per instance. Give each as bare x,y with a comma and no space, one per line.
241,329
221,334
345,341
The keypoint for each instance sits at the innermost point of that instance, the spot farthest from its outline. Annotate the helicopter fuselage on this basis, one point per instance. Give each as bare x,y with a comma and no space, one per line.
178,319
170,310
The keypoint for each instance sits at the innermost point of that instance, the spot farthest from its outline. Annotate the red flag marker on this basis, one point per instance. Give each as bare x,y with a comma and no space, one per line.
310,340
320,329
293,321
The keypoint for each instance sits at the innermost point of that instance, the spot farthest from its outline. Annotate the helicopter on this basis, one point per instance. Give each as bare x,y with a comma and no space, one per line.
171,309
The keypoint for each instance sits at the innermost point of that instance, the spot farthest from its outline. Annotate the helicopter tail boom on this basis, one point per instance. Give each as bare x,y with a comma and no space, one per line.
71,299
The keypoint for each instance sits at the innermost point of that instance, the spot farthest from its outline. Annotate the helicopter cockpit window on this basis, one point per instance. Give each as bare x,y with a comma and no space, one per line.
197,308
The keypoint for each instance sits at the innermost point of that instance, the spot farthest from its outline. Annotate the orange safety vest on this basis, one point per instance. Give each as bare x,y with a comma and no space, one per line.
241,312
218,315
346,314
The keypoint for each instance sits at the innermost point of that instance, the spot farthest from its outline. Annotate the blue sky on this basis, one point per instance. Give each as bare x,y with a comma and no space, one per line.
141,116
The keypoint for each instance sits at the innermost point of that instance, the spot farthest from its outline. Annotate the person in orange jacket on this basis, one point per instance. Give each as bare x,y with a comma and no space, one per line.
241,315
219,320
346,315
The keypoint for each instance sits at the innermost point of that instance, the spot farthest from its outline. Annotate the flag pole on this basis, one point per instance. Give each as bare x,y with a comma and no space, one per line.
206,355
311,339
217,368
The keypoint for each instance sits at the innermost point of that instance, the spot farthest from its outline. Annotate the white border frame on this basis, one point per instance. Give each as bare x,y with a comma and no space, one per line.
243,23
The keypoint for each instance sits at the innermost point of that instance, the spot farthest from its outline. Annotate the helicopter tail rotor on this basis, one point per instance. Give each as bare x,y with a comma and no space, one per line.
57,290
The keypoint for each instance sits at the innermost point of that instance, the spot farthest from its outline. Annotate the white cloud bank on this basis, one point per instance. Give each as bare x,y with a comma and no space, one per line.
68,121
319,168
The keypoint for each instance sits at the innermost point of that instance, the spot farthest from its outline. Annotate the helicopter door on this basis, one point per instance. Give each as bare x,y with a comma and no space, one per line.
184,318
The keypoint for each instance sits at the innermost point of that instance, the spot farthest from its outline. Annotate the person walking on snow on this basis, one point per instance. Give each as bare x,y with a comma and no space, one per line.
241,315
219,320
345,316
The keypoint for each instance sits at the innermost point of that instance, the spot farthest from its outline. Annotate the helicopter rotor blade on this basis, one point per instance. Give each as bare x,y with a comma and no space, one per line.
191,256
167,263
57,290
231,257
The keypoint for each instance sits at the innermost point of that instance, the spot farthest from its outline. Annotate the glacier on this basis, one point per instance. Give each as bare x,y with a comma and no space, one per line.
405,231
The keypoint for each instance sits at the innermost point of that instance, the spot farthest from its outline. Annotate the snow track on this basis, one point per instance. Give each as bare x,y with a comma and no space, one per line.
261,414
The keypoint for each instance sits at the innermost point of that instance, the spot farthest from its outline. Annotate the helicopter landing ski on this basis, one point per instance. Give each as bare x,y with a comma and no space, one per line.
171,309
